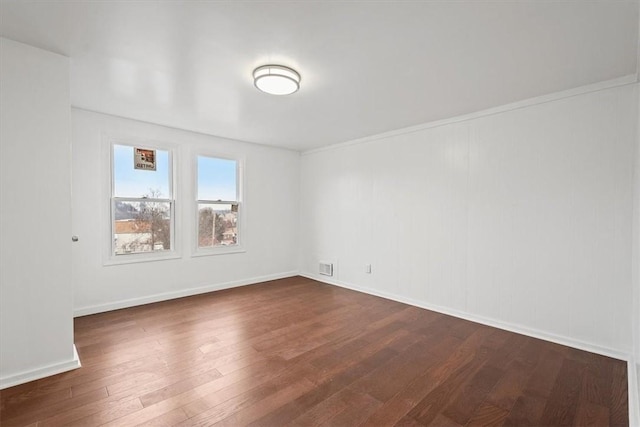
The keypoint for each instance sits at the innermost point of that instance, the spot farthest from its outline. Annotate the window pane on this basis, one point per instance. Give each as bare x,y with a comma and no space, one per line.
141,227
216,179
217,225
130,182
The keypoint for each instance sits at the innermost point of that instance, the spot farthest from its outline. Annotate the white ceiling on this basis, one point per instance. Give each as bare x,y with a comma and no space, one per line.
367,67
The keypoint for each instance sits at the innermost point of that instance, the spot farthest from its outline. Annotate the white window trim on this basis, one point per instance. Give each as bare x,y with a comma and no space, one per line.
240,247
109,257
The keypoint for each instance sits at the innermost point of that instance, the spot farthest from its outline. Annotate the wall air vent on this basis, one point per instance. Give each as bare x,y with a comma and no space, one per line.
326,268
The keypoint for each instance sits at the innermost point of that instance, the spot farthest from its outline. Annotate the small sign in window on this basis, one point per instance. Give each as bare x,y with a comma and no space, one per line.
144,159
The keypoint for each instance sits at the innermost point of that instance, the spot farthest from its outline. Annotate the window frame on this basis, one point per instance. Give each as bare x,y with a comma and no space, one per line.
240,246
111,258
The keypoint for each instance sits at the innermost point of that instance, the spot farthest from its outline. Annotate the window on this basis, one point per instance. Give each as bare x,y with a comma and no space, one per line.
217,203
142,203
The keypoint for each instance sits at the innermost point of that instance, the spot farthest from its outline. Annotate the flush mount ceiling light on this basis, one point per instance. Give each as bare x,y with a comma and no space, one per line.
276,79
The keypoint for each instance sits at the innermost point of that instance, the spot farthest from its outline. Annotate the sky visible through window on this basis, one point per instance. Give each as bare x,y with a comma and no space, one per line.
130,182
216,179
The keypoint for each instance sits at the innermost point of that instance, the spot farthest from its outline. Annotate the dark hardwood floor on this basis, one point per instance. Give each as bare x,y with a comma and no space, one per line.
297,352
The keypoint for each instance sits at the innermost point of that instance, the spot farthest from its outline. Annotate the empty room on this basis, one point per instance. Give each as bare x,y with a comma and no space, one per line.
337,213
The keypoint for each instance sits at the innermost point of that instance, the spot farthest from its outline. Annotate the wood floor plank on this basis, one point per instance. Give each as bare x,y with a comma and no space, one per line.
391,378
563,401
618,401
544,376
435,401
406,399
246,415
203,397
519,369
596,386
179,387
472,394
527,411
323,390
488,415
443,421
16,404
510,386
298,352
219,406
166,420
590,414
117,410
358,409
38,412
324,411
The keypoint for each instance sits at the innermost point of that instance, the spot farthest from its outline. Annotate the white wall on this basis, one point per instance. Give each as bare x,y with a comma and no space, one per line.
521,218
36,315
271,224
636,280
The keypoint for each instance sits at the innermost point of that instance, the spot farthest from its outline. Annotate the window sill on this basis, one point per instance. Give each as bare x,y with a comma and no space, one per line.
137,258
217,251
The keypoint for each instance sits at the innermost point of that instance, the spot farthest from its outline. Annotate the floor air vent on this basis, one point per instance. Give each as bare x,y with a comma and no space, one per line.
326,268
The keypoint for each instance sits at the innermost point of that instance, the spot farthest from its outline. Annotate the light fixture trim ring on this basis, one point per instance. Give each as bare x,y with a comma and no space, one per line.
277,71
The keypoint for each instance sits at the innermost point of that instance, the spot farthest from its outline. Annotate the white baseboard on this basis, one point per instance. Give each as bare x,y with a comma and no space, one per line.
116,305
42,372
634,393
519,329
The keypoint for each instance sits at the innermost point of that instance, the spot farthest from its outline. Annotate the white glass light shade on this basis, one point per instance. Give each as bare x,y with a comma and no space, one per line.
276,79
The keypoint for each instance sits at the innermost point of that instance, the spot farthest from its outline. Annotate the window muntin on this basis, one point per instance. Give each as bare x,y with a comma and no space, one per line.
142,204
218,202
